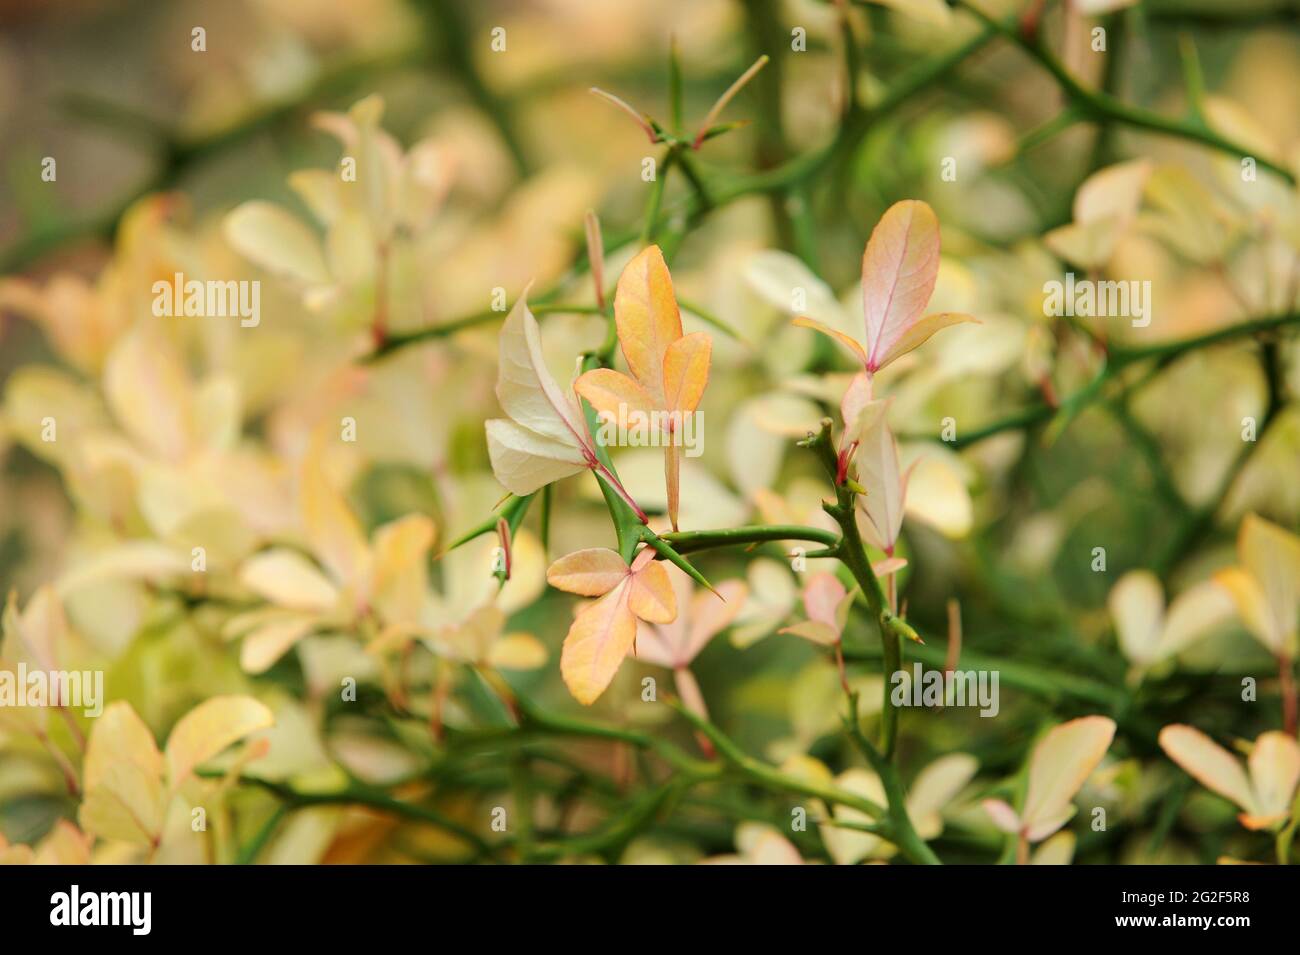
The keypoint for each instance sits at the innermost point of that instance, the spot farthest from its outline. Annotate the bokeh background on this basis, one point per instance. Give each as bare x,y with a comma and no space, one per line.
157,143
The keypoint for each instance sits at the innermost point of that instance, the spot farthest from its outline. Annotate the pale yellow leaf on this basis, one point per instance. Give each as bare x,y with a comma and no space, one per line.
122,778
517,651
278,241
1062,761
1208,763
209,728
288,579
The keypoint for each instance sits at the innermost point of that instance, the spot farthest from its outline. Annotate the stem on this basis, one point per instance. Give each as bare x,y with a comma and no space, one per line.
902,833
688,542
852,552
1286,681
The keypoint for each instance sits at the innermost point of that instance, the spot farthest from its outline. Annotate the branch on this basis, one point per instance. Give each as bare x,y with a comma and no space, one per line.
1103,107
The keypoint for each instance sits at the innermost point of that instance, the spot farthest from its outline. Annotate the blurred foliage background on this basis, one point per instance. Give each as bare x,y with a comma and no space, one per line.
156,143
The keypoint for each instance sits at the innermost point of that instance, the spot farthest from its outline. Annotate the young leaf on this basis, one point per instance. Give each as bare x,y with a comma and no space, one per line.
545,438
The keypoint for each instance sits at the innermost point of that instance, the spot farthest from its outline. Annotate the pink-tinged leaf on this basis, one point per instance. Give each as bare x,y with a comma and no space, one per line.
1003,816
919,333
821,597
689,690
593,572
847,341
601,636
856,397
819,633
899,269
709,616
648,319
879,472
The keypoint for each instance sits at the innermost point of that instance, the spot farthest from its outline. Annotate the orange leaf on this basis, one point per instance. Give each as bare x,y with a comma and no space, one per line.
919,333
611,392
596,644
591,572
848,342
686,371
651,594
648,320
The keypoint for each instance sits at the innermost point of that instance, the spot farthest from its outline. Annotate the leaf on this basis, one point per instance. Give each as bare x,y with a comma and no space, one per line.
524,461
288,579
332,529
935,787
613,394
899,269
1062,761
592,572
122,778
672,370
277,241
647,317
517,651
847,341
1272,556
599,639
1137,605
650,594
546,437
528,393
919,333
1274,772
1003,816
1208,763
262,646
209,728
149,391
686,371
1104,207
880,474
1252,606
777,276
399,575
1192,615
42,628
1058,850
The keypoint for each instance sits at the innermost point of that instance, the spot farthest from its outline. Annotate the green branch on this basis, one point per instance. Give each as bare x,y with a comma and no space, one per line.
1103,107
